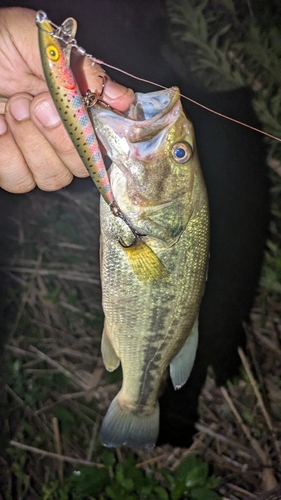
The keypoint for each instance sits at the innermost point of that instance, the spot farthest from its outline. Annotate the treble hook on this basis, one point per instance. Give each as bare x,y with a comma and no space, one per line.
136,235
124,245
118,213
91,98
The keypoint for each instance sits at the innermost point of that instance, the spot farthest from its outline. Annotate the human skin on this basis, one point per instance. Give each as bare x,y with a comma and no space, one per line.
34,146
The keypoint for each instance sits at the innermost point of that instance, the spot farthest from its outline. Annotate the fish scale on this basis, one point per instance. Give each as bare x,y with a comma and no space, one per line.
71,108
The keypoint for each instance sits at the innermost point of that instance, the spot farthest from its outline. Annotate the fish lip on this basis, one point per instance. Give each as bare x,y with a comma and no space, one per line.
174,96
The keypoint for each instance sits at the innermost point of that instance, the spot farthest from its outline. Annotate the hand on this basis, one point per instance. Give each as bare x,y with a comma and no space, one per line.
34,146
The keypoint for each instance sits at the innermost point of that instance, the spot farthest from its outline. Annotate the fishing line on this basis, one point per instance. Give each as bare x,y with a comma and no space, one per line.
98,61
60,33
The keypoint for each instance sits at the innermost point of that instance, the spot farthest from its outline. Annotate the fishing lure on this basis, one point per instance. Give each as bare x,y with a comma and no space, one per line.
72,107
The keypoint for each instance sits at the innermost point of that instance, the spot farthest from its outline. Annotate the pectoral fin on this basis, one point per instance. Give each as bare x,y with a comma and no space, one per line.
181,365
146,265
109,356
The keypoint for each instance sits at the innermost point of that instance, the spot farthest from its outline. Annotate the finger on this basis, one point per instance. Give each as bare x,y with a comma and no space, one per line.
15,176
47,168
116,95
20,63
46,118
3,101
3,125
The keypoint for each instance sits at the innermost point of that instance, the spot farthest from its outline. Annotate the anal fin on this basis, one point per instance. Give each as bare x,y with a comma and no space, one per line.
181,365
109,356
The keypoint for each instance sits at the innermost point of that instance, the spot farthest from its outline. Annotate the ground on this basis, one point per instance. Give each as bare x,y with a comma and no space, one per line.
57,391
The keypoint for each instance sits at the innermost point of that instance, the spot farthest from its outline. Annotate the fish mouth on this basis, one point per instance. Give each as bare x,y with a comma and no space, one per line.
147,116
151,113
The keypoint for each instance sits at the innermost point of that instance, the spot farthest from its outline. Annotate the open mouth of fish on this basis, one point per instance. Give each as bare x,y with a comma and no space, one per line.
133,141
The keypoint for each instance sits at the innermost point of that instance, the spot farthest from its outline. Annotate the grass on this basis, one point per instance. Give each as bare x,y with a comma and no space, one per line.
57,389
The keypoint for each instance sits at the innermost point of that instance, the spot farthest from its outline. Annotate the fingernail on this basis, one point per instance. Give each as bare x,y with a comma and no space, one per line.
3,125
20,108
46,113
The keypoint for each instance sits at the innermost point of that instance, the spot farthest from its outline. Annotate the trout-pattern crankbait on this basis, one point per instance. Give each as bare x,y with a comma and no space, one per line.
55,54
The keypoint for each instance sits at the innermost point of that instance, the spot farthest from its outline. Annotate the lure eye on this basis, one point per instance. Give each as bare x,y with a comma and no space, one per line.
181,152
52,53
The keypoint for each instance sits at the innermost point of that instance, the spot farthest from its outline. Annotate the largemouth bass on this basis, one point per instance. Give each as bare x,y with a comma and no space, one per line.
151,316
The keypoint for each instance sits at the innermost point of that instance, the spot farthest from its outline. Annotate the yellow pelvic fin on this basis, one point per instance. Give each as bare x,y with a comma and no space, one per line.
147,267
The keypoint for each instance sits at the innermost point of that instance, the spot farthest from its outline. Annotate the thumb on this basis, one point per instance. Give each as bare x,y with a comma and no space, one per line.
88,76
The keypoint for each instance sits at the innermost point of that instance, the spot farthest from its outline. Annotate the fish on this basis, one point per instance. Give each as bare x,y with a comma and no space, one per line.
151,316
55,56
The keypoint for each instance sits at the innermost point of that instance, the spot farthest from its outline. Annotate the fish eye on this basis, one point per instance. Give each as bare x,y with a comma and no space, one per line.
181,152
52,53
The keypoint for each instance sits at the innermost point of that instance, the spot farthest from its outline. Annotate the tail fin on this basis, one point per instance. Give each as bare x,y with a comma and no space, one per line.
121,427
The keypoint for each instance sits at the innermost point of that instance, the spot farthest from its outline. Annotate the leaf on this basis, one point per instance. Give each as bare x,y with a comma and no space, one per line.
126,482
170,478
177,491
185,466
108,458
111,493
218,34
90,480
204,494
161,493
64,415
197,476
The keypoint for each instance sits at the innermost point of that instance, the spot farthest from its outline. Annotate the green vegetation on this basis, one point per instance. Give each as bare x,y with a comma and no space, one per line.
127,481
